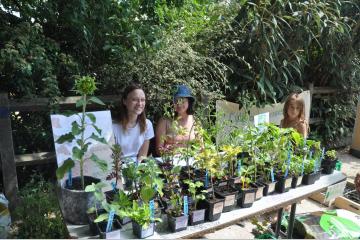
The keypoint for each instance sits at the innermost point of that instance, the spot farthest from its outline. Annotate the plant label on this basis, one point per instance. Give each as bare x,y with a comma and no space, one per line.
110,221
334,191
239,167
69,181
259,192
261,119
249,197
186,206
218,207
152,209
223,184
272,175
229,200
198,215
271,187
113,186
206,178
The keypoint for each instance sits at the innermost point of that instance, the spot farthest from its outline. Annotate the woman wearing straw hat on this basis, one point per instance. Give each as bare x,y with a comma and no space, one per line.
180,130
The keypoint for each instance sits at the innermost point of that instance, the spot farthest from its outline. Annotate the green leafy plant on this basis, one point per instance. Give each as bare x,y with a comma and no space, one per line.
193,190
117,164
38,214
331,154
85,86
140,213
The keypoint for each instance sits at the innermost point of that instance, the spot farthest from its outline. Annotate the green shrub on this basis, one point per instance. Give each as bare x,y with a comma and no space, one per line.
38,214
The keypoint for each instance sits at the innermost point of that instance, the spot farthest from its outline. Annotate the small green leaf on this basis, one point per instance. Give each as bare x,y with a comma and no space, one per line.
98,130
69,137
97,138
96,100
90,188
75,129
147,193
102,217
65,167
80,103
77,153
92,117
68,113
91,210
101,163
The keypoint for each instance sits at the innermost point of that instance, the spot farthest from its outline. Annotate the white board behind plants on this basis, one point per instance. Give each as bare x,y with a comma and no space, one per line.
62,125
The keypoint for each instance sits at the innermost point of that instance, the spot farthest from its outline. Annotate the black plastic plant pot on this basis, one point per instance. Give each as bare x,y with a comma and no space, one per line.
141,232
110,195
213,208
318,174
113,234
283,184
296,181
196,217
229,195
125,220
246,197
309,178
235,181
327,169
177,224
269,188
259,190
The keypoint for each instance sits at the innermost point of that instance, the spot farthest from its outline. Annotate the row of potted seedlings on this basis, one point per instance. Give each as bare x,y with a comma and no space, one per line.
219,180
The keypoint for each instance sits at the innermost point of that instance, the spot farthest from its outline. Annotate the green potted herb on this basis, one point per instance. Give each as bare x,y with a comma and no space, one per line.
115,173
196,216
329,162
98,215
312,163
247,193
74,200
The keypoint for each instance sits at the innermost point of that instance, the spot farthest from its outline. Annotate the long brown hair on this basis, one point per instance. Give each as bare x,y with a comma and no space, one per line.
299,101
121,115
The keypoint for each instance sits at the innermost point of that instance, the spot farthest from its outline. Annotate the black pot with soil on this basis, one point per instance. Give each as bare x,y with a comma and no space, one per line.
310,178
141,231
177,224
328,165
283,184
296,181
196,217
75,202
269,188
229,194
246,197
259,193
100,228
213,208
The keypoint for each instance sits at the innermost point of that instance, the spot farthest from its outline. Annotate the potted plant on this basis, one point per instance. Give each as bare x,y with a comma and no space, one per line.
99,214
74,200
247,193
208,160
115,173
329,163
196,216
312,164
177,219
142,221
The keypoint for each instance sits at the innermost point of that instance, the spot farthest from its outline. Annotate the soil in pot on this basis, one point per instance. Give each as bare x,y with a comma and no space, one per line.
196,217
229,195
75,203
283,184
213,208
177,224
141,232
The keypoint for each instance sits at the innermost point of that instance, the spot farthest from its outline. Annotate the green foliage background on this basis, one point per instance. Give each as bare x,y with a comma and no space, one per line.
251,52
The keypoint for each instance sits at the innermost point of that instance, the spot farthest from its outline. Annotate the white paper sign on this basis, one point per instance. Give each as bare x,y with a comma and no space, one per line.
334,191
62,125
261,119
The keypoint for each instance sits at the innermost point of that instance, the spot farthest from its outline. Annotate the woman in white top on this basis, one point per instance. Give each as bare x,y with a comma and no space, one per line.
132,130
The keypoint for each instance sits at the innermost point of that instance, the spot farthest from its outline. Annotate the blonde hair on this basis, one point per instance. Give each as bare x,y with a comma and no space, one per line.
299,101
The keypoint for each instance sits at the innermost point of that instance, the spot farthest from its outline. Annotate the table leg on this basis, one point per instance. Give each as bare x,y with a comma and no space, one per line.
291,221
278,223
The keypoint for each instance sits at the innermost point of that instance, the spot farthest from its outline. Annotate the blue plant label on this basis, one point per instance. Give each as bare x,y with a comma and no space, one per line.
288,163
302,165
110,221
113,184
186,206
152,209
206,178
272,175
239,167
69,181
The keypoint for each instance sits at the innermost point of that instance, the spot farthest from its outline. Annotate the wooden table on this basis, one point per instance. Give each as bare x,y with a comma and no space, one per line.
266,204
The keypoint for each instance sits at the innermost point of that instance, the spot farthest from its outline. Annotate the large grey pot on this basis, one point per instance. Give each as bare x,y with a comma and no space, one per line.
75,203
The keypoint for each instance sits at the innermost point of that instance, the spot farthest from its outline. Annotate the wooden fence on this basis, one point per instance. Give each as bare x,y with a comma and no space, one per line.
9,161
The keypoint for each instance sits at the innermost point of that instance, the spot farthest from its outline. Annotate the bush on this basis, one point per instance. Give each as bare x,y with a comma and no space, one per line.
38,215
